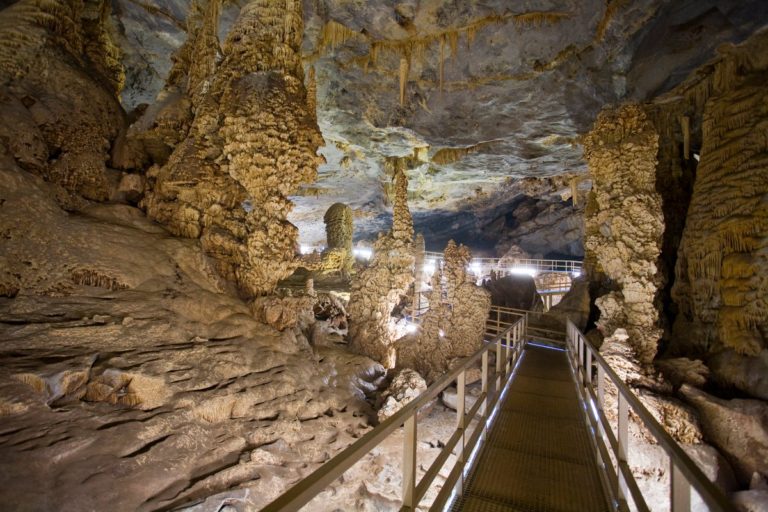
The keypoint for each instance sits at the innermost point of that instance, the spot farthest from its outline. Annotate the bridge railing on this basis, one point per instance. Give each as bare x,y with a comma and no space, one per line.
470,427
593,373
510,264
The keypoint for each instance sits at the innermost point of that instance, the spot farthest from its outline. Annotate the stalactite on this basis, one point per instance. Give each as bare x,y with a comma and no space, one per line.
404,68
685,125
441,71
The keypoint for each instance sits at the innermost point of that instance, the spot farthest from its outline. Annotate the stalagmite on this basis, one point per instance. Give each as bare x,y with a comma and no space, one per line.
453,326
384,284
624,223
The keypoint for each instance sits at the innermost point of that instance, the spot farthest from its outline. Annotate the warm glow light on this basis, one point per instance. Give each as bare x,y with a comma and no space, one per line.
528,271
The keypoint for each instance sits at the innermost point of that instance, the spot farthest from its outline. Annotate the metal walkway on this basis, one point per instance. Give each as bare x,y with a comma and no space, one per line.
538,455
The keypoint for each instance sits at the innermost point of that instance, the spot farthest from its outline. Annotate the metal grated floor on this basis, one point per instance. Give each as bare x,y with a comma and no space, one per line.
538,455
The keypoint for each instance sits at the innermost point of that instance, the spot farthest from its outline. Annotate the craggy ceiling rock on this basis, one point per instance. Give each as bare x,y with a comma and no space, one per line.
518,85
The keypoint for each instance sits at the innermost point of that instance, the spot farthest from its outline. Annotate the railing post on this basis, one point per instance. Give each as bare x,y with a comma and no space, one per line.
484,390
680,500
506,352
409,463
461,419
623,439
498,364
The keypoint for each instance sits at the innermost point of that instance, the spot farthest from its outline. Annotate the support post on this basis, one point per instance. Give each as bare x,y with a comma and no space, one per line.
623,439
681,490
461,420
409,463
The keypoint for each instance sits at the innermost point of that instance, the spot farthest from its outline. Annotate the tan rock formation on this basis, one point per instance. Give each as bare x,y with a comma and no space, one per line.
251,143
405,387
383,285
624,224
338,233
721,285
61,76
454,325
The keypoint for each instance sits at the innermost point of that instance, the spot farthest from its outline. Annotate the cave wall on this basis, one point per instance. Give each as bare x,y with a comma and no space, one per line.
61,75
722,268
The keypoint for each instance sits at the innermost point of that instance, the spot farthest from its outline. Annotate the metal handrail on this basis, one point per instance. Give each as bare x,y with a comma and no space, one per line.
620,481
508,345
541,265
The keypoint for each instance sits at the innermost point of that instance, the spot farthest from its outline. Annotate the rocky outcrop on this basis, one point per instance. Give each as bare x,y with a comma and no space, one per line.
738,427
624,224
384,284
251,142
129,380
61,75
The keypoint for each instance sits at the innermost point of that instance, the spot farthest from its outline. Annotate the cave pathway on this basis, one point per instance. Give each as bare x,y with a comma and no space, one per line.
538,455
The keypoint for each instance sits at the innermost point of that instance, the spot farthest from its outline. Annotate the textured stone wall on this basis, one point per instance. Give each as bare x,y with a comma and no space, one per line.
624,224
722,272
383,285
59,114
252,142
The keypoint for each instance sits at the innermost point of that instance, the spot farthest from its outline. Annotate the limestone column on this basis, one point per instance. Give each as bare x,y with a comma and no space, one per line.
624,224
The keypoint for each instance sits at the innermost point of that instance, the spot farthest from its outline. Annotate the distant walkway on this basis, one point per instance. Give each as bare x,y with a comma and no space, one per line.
538,455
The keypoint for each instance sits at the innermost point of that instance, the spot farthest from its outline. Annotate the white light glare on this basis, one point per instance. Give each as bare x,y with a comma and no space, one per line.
305,249
442,333
576,273
527,271
475,268
411,328
430,266
363,252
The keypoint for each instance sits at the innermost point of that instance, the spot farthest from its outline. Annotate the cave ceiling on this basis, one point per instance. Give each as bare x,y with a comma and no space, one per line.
521,81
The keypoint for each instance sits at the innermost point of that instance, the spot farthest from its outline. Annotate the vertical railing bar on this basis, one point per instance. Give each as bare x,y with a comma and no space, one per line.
680,498
409,463
461,420
623,438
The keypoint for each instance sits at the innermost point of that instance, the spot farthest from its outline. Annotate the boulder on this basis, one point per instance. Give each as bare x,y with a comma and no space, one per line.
738,427
405,387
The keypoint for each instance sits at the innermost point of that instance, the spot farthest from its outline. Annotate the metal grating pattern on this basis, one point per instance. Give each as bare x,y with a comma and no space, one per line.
538,455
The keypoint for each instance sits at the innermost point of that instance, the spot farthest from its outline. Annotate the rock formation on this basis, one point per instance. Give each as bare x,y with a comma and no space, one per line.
252,141
338,233
721,285
454,325
61,75
384,284
624,224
